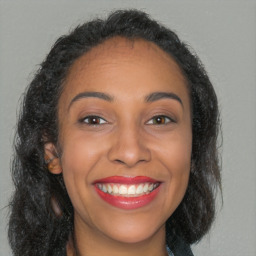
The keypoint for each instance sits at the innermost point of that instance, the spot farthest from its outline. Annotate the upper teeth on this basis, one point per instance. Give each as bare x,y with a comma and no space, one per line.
127,190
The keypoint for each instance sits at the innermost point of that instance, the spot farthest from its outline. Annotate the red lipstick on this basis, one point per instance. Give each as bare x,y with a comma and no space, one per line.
126,180
127,192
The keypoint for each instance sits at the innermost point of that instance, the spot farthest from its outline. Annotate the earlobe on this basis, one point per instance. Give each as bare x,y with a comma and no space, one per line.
52,159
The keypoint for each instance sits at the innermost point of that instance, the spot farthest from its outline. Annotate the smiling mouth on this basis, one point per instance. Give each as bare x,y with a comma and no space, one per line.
127,192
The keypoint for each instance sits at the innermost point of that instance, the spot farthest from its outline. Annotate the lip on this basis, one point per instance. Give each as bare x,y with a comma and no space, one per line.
126,180
127,203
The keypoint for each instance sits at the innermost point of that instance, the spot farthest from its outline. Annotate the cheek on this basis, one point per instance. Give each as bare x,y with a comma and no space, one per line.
79,155
79,152
176,152
177,160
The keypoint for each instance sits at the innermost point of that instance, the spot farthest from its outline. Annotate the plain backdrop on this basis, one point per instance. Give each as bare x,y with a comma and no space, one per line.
223,33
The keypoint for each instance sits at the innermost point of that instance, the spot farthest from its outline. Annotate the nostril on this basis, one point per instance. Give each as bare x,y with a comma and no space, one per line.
128,150
119,161
127,163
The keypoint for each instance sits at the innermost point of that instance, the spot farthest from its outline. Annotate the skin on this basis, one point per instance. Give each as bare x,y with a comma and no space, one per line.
127,141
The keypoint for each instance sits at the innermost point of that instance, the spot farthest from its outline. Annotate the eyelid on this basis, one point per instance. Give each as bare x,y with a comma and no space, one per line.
82,120
170,120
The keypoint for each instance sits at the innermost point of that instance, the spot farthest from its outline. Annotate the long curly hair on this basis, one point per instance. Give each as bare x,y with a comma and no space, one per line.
34,228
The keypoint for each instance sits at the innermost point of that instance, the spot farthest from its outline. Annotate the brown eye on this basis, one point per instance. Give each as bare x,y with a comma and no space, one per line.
93,120
160,120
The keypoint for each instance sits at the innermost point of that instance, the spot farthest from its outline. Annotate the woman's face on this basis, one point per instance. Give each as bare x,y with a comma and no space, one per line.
125,136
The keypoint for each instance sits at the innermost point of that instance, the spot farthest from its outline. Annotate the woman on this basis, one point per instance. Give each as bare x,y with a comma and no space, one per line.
116,148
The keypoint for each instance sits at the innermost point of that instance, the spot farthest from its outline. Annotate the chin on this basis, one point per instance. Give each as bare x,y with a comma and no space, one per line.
133,232
134,238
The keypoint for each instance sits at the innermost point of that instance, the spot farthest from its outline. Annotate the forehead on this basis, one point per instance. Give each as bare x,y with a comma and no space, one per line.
124,50
124,63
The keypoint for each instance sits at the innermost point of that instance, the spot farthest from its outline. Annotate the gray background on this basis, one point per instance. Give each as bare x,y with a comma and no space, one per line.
223,33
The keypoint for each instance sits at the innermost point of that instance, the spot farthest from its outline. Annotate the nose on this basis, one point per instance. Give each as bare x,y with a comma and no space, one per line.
129,148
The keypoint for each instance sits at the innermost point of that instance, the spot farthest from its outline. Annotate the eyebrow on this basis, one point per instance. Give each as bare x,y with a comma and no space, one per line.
163,95
104,96
99,95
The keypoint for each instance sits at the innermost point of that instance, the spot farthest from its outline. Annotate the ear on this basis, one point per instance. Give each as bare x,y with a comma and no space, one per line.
52,159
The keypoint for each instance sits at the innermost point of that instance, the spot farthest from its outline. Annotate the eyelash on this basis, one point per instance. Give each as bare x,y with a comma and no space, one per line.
156,120
95,120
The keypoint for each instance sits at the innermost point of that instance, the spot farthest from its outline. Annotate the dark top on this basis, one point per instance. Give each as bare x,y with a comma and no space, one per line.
177,247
